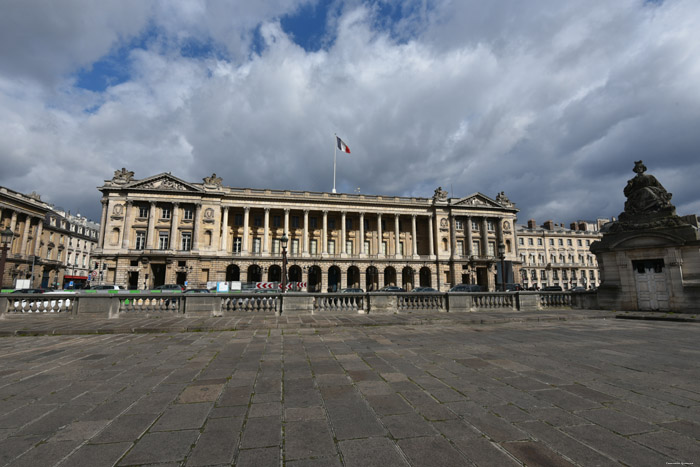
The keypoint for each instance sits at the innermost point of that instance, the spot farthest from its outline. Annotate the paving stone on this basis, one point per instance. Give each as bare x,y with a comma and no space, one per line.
371,452
91,455
45,454
170,446
218,442
615,446
677,448
534,453
690,429
261,432
363,425
125,428
431,451
308,438
79,430
408,426
200,393
304,413
17,445
616,421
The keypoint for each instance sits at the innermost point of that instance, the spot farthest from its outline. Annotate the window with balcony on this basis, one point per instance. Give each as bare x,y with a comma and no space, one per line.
534,275
140,239
313,249
401,248
331,247
163,240
165,213
384,248
555,275
295,246
366,247
475,247
237,245
348,247
492,249
188,214
276,246
256,245
186,243
460,248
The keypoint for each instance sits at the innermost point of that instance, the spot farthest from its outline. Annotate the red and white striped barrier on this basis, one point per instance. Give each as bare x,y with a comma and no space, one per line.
277,285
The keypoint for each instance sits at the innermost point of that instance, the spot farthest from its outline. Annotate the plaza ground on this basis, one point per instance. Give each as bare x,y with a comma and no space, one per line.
487,389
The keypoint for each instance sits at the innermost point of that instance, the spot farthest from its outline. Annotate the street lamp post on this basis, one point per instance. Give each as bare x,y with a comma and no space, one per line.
283,242
502,257
6,237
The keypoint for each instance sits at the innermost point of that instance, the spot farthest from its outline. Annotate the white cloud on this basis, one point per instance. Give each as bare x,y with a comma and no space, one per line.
550,103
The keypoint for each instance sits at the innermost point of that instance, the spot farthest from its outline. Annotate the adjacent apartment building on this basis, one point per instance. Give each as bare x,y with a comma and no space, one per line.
552,254
50,247
164,230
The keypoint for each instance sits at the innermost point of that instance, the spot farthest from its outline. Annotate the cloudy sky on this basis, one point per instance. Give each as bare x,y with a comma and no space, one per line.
550,101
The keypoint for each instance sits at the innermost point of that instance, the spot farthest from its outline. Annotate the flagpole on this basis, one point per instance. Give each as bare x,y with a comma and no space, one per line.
335,152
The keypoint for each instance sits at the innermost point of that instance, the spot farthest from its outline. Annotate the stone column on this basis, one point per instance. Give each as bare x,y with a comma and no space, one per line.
25,234
266,233
174,224
127,227
453,238
103,222
324,235
362,234
414,237
286,222
151,226
469,240
246,219
305,241
431,240
196,228
380,240
484,237
499,232
37,239
224,230
397,240
343,215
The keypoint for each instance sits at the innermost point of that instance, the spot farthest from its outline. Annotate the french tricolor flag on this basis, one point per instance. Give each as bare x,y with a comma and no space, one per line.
342,146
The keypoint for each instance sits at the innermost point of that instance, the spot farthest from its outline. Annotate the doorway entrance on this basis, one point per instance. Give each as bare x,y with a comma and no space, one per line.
158,272
650,279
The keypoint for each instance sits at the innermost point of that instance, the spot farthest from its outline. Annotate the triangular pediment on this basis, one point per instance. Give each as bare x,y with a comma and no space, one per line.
163,182
478,200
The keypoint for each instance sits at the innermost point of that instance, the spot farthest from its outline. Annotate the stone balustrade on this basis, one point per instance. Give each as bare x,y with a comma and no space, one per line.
113,305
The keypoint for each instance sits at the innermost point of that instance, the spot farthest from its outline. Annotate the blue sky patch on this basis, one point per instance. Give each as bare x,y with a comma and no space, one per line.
307,26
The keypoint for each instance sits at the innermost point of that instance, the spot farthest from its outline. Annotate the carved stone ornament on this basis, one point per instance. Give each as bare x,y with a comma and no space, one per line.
443,224
118,209
208,215
506,225
123,176
440,194
213,181
648,204
164,184
501,198
35,195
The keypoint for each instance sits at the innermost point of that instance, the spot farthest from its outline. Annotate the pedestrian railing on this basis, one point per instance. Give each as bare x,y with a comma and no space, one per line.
169,303
421,302
555,299
250,302
339,303
491,301
33,303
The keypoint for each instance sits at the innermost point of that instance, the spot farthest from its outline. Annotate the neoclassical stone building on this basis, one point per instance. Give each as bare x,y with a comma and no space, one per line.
164,230
50,247
552,254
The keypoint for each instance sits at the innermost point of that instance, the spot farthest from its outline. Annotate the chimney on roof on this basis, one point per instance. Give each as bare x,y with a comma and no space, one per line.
583,226
573,226
531,224
549,225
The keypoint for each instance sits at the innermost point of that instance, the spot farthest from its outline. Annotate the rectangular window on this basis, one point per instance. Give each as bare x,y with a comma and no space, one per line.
555,275
366,223
564,275
384,248
295,222
186,243
561,242
366,247
143,212
475,225
295,246
383,225
275,246
588,243
163,240
568,242
140,240
237,245
551,242
579,242
276,221
490,225
331,247
256,245
534,275
348,247
543,275
401,248
312,247
313,223
460,248
458,225
492,249
188,214
539,242
521,241
475,247
68,258
165,213
258,222
530,242
238,219
348,224
331,224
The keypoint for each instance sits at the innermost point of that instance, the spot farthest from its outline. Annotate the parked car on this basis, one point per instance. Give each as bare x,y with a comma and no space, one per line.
105,287
29,291
171,288
578,289
424,290
197,291
352,291
552,288
466,288
392,288
513,287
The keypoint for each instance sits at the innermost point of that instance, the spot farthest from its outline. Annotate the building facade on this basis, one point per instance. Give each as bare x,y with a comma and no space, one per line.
50,248
163,230
552,254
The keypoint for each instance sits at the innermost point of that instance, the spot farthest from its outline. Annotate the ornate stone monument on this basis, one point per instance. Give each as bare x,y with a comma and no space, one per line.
650,258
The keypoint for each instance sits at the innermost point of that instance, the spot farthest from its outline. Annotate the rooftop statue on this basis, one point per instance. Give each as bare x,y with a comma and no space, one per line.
123,176
645,194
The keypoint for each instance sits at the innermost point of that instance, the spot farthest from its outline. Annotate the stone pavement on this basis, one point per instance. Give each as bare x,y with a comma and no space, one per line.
478,389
